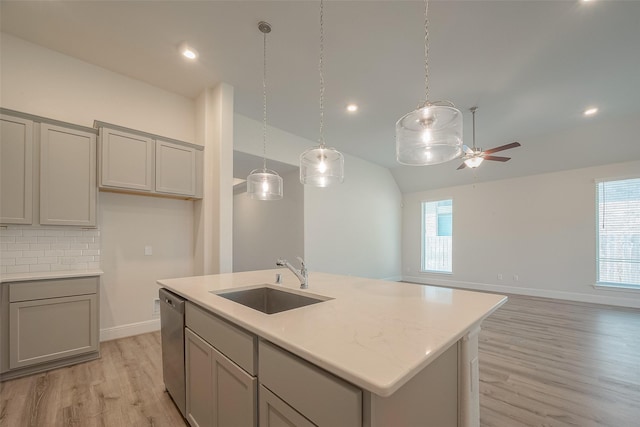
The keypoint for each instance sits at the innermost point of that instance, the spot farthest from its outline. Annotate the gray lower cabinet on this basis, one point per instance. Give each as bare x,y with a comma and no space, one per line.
47,324
220,368
274,412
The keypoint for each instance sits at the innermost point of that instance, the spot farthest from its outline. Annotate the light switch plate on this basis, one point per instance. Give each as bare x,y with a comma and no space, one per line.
148,250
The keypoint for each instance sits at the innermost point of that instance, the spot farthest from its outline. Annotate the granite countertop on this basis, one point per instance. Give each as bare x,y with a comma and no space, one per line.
375,334
44,275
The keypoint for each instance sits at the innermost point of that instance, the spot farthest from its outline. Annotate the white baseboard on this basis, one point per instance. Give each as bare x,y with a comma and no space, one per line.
129,330
393,278
601,298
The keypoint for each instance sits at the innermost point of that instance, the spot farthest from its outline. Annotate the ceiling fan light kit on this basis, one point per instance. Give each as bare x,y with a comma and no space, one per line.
474,156
321,166
264,184
432,133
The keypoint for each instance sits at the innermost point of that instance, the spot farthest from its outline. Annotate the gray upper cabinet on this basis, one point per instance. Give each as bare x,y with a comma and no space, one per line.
67,176
126,160
134,162
175,168
16,170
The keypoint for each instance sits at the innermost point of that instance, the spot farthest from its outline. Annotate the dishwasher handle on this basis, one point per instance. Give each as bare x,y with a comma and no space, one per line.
172,300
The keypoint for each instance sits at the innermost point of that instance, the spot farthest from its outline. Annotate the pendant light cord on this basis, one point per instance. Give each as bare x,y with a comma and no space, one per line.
426,51
264,102
320,64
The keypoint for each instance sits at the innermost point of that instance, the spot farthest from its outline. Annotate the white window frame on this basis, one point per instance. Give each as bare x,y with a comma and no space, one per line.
423,268
602,284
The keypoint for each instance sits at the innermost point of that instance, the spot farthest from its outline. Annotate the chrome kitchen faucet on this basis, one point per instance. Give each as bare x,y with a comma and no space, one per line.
301,274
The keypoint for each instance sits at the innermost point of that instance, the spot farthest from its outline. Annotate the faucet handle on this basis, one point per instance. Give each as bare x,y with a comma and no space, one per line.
280,262
301,261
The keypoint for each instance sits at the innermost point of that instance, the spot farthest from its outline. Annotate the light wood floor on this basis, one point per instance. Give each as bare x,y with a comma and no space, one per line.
542,363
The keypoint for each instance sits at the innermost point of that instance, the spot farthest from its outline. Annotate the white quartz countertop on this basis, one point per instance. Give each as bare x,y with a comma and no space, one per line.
44,275
375,334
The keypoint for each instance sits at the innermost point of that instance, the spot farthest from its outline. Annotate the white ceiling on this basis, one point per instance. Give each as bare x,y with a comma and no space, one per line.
531,67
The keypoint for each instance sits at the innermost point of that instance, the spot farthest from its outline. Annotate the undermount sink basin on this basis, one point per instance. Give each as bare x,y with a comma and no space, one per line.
269,300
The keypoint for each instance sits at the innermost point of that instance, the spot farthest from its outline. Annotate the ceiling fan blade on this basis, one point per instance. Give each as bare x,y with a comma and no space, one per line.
497,158
462,166
502,148
467,150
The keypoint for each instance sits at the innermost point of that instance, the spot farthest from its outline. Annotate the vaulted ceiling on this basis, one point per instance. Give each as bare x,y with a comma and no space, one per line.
532,67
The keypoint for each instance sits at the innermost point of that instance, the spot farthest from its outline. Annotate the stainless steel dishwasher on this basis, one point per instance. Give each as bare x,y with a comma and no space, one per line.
172,331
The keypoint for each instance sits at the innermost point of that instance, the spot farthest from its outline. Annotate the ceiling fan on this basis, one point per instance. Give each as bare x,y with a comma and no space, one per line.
474,156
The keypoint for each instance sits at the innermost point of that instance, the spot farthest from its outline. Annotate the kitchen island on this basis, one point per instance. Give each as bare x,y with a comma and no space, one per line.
402,354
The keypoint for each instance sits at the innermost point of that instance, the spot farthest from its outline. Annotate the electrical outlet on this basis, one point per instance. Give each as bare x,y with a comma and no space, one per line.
156,308
148,250
499,276
516,278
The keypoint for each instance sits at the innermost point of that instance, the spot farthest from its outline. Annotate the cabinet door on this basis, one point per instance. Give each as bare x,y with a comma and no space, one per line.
16,170
126,160
274,412
175,169
219,392
51,329
67,176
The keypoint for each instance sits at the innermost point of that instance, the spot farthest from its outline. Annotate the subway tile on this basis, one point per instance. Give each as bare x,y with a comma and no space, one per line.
34,232
78,246
26,261
81,266
40,246
93,265
91,233
90,252
96,258
3,246
54,252
84,259
11,232
28,254
73,233
54,233
17,246
67,261
11,254
39,267
60,267
48,239
7,239
93,246
27,239
85,239
62,245
3,269
7,261
17,269
47,260
71,252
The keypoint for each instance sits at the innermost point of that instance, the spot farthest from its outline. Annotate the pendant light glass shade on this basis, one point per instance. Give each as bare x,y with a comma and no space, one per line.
432,133
429,135
321,167
264,184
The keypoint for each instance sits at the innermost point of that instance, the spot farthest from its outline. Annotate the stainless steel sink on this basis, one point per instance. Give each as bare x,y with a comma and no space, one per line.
269,300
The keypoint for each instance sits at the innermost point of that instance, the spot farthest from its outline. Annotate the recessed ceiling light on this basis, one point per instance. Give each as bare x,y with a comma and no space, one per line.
352,108
188,52
590,111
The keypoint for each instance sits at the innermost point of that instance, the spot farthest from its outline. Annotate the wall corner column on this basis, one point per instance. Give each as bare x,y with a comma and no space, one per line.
213,222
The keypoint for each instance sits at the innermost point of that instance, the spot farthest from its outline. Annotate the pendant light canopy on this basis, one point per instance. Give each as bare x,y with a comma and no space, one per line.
432,133
264,184
321,166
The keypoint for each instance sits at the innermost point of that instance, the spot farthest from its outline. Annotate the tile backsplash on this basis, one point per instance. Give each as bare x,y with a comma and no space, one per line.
28,249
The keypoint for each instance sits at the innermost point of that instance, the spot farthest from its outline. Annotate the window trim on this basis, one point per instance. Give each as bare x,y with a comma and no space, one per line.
610,286
422,231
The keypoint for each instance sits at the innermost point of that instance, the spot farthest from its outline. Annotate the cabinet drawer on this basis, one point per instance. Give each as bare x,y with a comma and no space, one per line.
321,397
274,412
54,288
237,344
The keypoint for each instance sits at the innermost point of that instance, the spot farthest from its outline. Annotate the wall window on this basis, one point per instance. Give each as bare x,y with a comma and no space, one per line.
437,236
618,235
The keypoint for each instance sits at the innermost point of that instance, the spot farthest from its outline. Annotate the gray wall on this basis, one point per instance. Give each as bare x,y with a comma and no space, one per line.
266,230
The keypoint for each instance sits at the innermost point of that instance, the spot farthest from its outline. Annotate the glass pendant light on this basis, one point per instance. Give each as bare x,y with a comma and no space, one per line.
321,166
264,184
432,133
